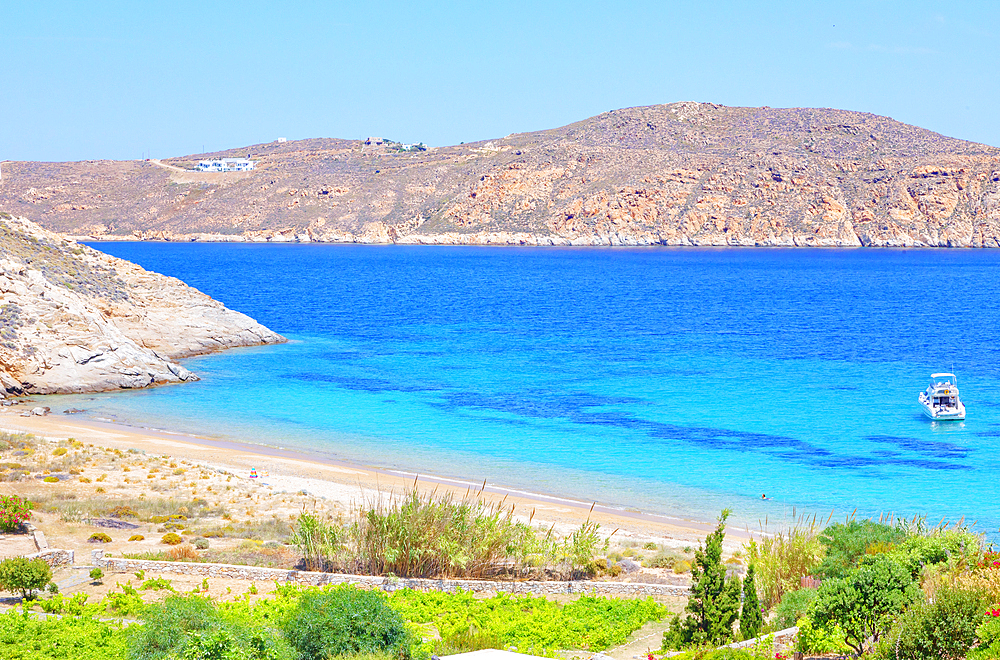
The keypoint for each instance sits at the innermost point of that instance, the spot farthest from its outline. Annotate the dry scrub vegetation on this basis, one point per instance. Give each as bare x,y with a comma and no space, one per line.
155,507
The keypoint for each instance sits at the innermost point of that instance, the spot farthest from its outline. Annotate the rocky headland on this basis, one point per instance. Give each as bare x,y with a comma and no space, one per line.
677,174
73,319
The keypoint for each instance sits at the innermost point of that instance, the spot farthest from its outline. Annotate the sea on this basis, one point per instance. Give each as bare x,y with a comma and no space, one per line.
778,383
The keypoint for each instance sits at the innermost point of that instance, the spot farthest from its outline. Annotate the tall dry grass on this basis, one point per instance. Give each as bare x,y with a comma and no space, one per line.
781,559
432,534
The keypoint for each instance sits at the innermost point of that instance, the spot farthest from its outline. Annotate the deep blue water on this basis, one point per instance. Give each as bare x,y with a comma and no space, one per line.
667,380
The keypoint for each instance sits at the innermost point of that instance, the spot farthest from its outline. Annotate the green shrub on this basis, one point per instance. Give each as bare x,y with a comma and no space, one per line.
191,627
818,639
865,602
24,576
945,628
51,480
793,607
344,620
59,451
989,640
201,544
78,638
99,537
663,559
137,537
96,575
171,539
920,550
156,584
532,624
14,511
847,543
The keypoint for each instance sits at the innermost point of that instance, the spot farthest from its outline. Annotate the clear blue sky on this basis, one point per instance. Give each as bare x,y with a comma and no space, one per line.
90,80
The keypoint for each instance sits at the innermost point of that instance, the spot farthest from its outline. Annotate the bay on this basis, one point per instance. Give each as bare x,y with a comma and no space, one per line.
674,381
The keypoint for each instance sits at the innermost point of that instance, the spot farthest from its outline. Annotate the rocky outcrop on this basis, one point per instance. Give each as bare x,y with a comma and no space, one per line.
677,174
73,319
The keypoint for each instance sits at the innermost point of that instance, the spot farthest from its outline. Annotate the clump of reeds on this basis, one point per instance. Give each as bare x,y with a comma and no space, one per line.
417,534
780,560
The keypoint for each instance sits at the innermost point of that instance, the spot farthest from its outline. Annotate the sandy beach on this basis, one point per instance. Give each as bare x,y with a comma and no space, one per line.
345,486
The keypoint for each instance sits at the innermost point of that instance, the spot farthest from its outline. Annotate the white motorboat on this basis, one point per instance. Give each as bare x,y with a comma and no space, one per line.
940,400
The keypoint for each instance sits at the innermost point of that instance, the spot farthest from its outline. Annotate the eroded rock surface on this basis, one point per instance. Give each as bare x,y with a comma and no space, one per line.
73,319
677,174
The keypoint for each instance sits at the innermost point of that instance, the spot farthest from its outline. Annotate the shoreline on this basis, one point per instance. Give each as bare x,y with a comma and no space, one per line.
351,484
532,241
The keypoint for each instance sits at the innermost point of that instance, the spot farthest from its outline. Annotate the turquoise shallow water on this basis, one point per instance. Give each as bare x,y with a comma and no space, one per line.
670,381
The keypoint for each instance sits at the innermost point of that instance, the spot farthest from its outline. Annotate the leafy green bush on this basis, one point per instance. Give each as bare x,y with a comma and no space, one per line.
201,544
532,624
193,628
156,584
819,639
920,550
99,537
96,575
79,638
864,602
793,607
344,620
945,628
19,574
14,511
989,640
847,543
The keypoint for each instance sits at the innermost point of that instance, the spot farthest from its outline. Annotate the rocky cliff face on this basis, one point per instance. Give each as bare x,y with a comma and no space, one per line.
678,174
73,319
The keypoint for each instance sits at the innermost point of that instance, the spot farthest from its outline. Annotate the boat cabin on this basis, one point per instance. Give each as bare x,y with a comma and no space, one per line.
944,390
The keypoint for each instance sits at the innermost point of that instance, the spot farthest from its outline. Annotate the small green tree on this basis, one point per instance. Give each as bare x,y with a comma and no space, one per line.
714,602
96,575
751,617
864,603
24,576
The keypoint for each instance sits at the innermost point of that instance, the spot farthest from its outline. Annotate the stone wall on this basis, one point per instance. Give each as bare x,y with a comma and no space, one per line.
308,578
54,557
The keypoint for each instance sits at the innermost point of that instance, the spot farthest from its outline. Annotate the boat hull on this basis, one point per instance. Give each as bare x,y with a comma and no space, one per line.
938,416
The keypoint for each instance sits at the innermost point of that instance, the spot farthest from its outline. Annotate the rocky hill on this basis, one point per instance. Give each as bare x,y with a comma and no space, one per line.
678,174
73,319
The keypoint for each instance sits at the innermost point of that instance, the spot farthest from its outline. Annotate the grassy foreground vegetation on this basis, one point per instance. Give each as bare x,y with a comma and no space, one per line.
304,623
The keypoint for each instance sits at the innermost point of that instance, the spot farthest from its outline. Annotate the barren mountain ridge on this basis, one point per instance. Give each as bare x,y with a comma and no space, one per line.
677,174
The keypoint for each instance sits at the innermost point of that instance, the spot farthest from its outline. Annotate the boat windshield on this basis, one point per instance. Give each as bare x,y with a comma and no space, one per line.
944,380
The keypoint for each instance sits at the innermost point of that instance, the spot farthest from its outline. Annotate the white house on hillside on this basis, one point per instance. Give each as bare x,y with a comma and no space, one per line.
226,165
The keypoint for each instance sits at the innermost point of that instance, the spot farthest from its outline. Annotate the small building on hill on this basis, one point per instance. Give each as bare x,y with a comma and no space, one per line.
226,165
